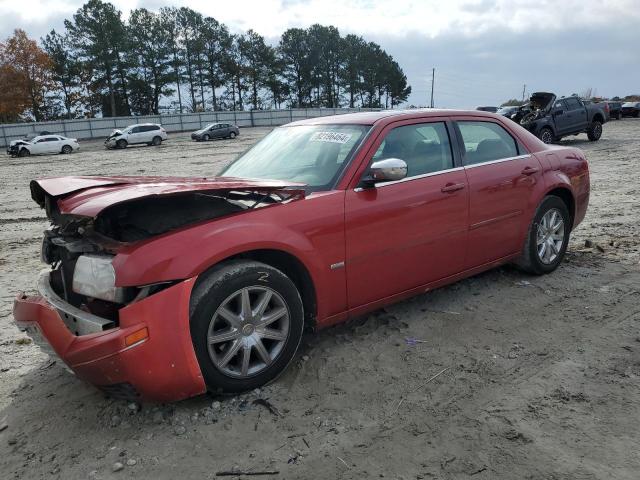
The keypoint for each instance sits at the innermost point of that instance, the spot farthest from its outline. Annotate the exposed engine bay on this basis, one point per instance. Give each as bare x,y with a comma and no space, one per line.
538,106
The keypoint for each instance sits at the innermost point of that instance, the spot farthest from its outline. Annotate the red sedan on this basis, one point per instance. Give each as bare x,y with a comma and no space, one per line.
163,288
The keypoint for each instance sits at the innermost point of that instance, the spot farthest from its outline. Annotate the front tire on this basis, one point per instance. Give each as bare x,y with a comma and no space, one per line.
547,238
121,143
206,138
594,132
546,135
24,152
232,135
246,321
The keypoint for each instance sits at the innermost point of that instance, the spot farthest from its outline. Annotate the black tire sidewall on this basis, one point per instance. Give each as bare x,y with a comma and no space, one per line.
206,138
67,149
543,131
121,144
536,265
232,135
592,128
156,141
212,291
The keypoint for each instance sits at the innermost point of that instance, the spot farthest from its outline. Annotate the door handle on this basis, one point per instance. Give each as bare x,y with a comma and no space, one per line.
530,170
452,187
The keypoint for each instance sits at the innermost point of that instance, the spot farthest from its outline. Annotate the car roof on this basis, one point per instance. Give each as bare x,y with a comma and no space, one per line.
387,116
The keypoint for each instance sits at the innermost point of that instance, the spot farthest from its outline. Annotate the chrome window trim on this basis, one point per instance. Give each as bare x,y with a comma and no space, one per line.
408,179
500,160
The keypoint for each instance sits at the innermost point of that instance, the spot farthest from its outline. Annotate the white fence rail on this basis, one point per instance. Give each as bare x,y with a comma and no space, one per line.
92,128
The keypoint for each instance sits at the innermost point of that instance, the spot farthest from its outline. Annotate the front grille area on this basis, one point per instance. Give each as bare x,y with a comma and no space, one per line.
120,391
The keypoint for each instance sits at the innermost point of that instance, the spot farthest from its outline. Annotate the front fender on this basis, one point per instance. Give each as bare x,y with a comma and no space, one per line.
188,253
311,229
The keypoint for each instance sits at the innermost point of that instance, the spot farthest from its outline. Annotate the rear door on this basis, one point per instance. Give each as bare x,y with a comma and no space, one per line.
407,233
502,176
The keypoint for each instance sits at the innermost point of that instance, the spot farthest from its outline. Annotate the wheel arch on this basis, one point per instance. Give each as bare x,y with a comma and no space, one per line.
598,117
288,264
566,195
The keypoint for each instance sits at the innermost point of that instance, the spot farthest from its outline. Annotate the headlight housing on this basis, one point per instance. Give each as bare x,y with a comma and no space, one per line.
95,277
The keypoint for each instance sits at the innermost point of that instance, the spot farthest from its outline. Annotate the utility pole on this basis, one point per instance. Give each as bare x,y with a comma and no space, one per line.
433,79
524,87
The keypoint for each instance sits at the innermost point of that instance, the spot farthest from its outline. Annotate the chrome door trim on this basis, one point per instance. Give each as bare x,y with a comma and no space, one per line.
408,179
490,162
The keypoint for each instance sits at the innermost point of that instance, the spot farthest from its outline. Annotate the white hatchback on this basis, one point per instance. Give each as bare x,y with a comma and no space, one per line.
44,144
149,133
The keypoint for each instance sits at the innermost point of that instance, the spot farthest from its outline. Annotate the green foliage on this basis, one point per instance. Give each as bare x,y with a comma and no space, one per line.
513,102
103,65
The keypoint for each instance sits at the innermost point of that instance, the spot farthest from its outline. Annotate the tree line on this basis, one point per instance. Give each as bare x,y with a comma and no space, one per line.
177,59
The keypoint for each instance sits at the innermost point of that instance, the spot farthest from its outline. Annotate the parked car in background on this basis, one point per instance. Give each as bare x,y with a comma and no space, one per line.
615,110
487,109
216,130
551,119
508,111
42,145
162,288
142,133
631,109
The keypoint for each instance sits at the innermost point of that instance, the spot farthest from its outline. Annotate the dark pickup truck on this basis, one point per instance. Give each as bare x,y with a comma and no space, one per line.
551,118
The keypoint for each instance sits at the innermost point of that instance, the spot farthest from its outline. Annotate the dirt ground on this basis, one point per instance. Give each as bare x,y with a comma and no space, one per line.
501,376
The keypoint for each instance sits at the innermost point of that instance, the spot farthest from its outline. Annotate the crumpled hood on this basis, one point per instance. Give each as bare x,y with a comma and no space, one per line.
542,100
88,196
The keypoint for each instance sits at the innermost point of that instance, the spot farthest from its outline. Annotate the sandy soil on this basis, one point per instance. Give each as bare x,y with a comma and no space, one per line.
499,376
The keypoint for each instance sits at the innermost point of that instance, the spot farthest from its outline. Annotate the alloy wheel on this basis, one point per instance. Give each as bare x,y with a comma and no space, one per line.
248,331
550,236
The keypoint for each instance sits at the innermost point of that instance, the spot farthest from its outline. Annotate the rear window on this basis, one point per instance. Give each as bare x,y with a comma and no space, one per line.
486,142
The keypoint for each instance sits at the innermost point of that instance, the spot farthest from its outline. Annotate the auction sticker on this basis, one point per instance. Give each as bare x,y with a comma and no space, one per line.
331,137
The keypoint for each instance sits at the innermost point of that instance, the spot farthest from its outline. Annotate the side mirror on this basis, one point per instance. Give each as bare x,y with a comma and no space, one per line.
387,170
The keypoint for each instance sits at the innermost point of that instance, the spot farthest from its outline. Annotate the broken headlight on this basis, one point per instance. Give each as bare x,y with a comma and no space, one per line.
95,277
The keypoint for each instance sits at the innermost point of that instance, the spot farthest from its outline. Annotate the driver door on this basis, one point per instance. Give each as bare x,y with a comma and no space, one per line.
405,234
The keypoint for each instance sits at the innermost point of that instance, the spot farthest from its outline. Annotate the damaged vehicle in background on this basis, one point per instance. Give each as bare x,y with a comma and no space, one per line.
143,133
163,288
43,145
551,119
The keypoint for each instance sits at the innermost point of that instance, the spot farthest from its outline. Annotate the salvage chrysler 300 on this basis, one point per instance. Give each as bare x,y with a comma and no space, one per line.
163,288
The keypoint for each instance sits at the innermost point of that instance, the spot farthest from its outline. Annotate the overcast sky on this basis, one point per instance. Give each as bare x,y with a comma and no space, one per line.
483,51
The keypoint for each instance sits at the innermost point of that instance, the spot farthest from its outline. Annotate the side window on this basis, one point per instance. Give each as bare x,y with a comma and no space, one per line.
425,147
151,128
134,130
573,103
486,141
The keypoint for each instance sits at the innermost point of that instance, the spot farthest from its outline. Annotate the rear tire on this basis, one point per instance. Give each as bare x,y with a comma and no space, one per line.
156,141
24,152
547,238
67,149
594,132
121,143
619,116
218,310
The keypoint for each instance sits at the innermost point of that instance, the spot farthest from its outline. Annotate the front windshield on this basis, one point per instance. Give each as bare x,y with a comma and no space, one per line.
210,126
311,154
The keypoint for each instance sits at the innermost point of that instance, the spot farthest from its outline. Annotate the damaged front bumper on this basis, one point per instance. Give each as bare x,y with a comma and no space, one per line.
162,367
